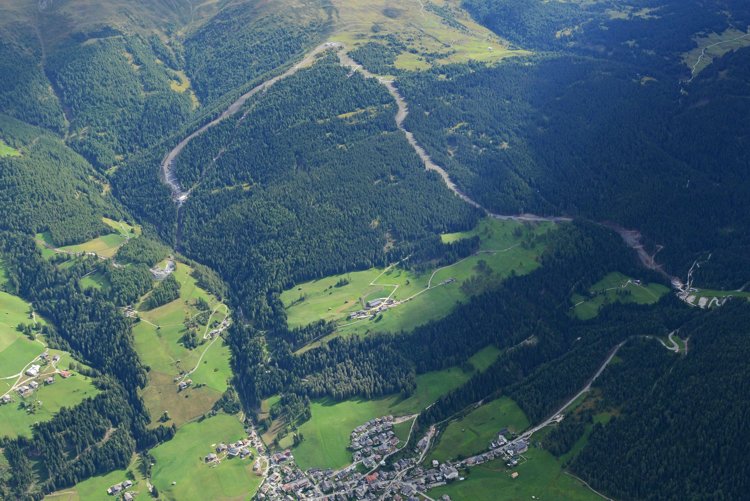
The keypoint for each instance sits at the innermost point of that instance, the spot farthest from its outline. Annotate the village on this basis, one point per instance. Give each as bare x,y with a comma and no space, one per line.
368,478
44,369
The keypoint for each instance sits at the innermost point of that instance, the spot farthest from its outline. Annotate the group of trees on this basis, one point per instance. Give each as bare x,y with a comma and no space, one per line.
49,188
118,96
100,434
681,430
572,131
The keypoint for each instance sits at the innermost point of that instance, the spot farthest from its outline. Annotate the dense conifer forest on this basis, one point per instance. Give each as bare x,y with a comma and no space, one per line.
621,113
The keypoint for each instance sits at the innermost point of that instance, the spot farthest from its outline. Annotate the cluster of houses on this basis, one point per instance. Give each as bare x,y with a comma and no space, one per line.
33,371
374,440
117,489
372,308
240,448
406,478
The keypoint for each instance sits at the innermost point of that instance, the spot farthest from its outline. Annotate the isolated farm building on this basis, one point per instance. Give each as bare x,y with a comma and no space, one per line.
126,484
56,358
374,303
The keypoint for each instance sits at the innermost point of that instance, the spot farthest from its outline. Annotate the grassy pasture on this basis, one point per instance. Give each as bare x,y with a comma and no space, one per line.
438,32
17,421
326,434
8,151
615,287
712,46
540,476
502,250
180,460
473,433
96,487
158,343
16,350
105,246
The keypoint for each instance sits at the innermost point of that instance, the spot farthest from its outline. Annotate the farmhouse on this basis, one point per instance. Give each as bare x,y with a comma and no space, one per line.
211,458
49,380
33,371
5,399
65,374
33,385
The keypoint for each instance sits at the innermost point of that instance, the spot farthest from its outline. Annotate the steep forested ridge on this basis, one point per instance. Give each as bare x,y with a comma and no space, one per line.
616,136
684,437
607,116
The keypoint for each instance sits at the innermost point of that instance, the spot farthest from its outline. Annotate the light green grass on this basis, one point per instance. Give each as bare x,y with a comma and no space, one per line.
180,460
105,246
96,487
326,434
502,250
46,400
715,45
473,433
7,151
98,281
157,341
422,32
540,476
16,350
615,287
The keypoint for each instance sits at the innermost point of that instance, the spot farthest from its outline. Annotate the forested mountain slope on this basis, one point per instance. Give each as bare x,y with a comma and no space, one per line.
606,121
48,187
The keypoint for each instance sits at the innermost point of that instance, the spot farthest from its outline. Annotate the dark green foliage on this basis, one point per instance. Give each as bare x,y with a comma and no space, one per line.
684,434
574,132
316,194
229,402
142,250
165,292
100,434
25,92
245,41
128,284
300,336
562,437
118,96
49,187
378,57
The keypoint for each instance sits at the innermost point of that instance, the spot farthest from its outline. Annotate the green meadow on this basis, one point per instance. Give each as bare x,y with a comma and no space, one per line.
326,434
96,487
504,249
473,433
158,341
539,477
181,473
16,350
105,246
17,417
428,36
615,287
8,151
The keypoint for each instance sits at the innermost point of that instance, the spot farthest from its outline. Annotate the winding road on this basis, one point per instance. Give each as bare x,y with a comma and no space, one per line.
632,238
